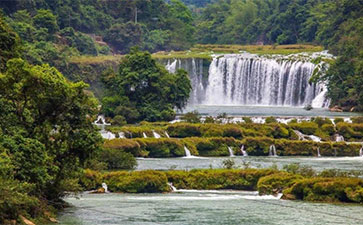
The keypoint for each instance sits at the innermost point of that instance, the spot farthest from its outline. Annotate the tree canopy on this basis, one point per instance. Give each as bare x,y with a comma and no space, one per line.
144,90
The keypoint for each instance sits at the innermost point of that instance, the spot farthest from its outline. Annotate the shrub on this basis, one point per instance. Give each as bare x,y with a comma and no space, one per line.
209,119
276,183
218,179
119,120
327,190
137,182
338,120
232,132
247,119
321,121
117,159
308,128
228,163
162,147
358,119
125,145
191,117
182,130
90,179
270,119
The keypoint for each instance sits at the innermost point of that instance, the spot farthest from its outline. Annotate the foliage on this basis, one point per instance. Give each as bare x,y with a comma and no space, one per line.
137,182
116,159
46,126
191,117
144,90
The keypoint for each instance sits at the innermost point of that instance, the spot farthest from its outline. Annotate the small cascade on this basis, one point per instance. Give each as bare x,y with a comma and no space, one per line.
231,154
272,151
361,151
244,153
258,120
303,137
315,138
166,134
300,135
121,135
104,186
101,121
339,138
172,187
156,135
318,150
107,134
144,135
187,152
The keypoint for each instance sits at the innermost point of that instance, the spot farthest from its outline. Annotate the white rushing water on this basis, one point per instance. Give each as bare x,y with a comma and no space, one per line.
144,135
249,79
272,151
187,152
156,135
231,154
244,153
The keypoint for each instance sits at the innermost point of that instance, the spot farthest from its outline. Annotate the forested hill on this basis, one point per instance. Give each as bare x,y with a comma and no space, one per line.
54,30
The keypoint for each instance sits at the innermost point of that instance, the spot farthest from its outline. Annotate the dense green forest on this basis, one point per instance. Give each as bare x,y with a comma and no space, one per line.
46,133
54,30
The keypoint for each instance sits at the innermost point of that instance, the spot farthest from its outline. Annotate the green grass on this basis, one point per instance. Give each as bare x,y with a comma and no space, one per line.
205,52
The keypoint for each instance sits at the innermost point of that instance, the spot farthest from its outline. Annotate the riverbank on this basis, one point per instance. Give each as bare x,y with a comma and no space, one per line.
295,183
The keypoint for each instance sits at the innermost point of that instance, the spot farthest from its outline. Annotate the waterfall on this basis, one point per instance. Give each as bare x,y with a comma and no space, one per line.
187,152
156,135
315,138
272,151
144,135
244,153
300,135
166,134
303,137
361,151
172,187
104,185
101,123
249,79
318,150
197,76
121,135
339,138
252,80
231,154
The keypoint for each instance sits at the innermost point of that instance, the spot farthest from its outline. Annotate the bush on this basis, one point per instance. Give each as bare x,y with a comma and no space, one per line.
321,121
191,117
218,179
270,119
308,128
90,179
232,132
137,182
276,183
125,145
182,130
117,159
162,147
327,190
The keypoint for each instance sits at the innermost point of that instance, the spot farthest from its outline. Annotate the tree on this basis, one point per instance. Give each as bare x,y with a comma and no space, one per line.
144,86
9,44
46,19
52,118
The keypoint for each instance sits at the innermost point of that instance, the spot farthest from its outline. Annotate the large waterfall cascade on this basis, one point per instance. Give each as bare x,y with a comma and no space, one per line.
249,79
